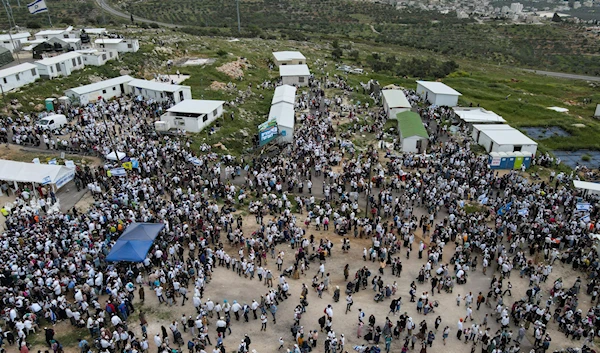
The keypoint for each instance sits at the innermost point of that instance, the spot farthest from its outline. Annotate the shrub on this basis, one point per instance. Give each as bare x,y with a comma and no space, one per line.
222,52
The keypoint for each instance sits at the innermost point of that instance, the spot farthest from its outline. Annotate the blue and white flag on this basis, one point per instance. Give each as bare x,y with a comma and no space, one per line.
583,206
118,172
523,212
37,6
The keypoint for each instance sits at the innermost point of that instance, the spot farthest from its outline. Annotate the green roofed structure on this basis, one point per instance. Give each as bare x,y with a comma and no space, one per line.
413,135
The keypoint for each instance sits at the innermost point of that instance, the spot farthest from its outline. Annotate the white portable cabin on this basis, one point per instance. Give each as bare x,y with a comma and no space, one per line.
96,57
507,140
288,58
18,76
438,93
60,65
478,128
193,115
14,41
284,114
285,94
57,33
120,45
394,102
294,75
107,89
476,115
159,91
587,187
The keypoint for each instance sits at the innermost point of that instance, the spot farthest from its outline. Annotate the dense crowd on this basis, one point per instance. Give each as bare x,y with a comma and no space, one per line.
54,265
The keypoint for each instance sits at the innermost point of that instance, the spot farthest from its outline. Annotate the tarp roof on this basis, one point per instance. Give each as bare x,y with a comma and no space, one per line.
510,136
477,115
93,87
410,124
155,86
283,113
586,185
395,98
439,88
135,242
24,172
294,70
284,93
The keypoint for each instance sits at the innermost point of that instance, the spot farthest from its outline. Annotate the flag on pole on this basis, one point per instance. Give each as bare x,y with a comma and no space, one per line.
37,6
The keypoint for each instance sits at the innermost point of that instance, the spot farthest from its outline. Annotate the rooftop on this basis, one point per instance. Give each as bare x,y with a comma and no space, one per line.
508,137
54,31
283,113
109,40
16,69
196,106
294,70
92,87
284,93
478,115
59,58
395,98
288,55
410,124
15,36
439,88
155,86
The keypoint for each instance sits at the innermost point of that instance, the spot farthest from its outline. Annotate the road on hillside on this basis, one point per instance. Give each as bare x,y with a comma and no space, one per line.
564,75
104,5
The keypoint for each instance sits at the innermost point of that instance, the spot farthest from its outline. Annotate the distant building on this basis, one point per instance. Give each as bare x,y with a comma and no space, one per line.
289,58
294,75
96,57
413,135
57,33
18,76
121,45
516,7
18,39
44,48
60,65
438,93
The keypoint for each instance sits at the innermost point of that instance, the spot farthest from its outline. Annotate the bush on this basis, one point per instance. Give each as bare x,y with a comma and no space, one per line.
222,52
586,158
33,25
154,25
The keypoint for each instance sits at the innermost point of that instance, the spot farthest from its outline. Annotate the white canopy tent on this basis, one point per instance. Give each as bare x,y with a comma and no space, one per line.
111,156
43,174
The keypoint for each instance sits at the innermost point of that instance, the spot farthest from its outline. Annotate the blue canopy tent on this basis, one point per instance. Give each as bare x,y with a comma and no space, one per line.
135,242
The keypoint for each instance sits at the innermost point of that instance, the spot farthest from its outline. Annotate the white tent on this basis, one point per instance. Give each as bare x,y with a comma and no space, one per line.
587,187
111,156
283,113
35,173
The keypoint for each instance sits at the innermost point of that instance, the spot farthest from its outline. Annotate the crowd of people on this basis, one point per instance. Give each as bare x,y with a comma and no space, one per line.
54,264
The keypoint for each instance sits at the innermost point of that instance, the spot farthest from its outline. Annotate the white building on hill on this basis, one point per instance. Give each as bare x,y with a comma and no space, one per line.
159,91
107,89
294,75
438,93
18,76
288,58
120,45
60,65
193,115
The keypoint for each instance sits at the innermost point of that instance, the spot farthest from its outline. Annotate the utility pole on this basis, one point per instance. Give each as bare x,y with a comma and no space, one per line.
238,15
11,25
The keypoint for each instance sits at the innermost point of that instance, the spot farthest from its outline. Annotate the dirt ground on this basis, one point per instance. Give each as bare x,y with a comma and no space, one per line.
227,285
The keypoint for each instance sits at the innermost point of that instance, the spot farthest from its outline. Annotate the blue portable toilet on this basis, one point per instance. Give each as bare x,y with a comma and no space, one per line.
503,160
510,161
527,160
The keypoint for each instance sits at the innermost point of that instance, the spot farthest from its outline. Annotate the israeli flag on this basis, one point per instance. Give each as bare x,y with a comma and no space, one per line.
583,206
523,212
37,6
118,172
